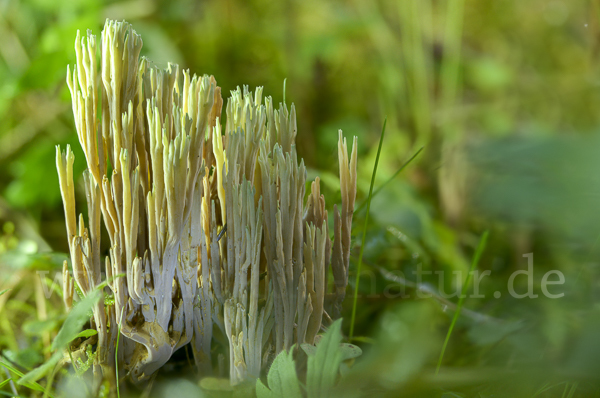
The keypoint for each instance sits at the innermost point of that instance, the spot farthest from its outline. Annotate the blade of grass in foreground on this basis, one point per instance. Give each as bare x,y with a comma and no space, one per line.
363,204
461,299
117,359
2,384
362,245
31,385
569,393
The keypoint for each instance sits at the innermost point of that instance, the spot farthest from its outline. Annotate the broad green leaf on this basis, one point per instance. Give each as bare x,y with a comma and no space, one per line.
35,328
350,351
41,370
86,334
30,385
262,391
69,331
75,321
109,280
26,358
282,378
308,349
323,366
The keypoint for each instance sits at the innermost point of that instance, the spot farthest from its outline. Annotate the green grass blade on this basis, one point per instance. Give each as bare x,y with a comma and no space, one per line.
570,390
31,385
12,369
364,203
461,299
564,394
364,237
109,280
5,382
10,394
545,388
117,360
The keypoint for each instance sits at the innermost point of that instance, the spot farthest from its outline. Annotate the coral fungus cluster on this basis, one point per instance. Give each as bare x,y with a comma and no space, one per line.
209,226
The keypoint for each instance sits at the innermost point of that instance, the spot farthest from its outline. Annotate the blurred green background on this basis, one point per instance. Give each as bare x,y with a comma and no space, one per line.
503,95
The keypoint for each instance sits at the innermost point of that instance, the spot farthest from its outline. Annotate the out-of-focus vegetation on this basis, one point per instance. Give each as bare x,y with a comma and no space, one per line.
503,95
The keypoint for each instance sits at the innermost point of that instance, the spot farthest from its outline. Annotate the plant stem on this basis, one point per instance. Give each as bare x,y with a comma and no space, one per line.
364,237
461,299
363,204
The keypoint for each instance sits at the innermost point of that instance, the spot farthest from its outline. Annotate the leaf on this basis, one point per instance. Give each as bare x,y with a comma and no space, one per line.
282,378
364,339
309,349
30,385
86,334
350,351
364,235
69,331
4,291
75,321
41,371
117,360
476,257
364,203
262,391
35,328
323,367
27,358
5,382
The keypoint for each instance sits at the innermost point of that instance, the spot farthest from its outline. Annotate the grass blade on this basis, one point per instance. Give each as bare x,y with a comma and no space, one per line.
461,299
31,385
10,394
117,359
363,204
364,237
568,393
5,382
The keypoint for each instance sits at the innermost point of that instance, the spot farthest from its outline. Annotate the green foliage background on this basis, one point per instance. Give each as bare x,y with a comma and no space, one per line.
504,96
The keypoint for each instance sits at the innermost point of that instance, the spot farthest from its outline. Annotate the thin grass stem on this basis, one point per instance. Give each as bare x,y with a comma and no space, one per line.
364,237
364,203
461,299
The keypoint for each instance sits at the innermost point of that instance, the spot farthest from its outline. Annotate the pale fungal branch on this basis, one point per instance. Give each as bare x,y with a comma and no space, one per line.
244,323
68,287
340,261
208,225
202,233
283,194
84,246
